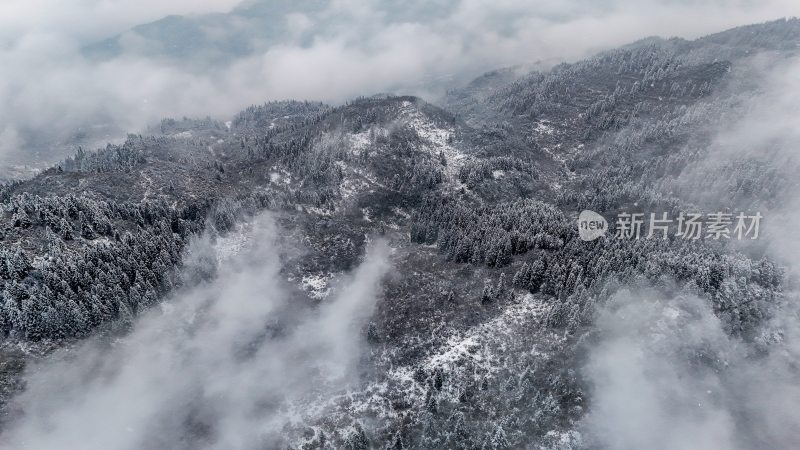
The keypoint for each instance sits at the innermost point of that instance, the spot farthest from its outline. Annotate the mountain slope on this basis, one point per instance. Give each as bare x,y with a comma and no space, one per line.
494,302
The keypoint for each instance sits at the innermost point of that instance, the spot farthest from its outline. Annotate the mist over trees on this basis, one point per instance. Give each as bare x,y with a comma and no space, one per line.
484,322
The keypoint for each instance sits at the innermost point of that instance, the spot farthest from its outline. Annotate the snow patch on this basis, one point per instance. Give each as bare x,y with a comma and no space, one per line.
544,127
438,141
359,141
233,242
400,212
314,210
317,286
477,352
352,186
102,240
471,345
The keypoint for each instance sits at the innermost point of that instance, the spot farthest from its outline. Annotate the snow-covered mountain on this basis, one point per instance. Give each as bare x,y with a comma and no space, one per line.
390,273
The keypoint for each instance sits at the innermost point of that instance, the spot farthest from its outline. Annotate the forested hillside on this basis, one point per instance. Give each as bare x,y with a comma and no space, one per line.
494,303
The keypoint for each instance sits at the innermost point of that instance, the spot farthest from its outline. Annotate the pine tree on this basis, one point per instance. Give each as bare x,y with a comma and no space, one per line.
356,439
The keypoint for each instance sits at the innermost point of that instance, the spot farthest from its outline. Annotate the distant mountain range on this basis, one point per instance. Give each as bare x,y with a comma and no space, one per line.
249,28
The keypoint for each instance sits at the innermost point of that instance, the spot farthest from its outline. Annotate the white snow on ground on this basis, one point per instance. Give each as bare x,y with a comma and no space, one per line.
497,174
360,141
400,212
367,176
102,240
352,186
477,346
436,139
471,344
39,262
544,127
317,286
354,143
184,134
147,181
475,353
236,240
233,242
564,439
315,210
562,160
283,176
228,124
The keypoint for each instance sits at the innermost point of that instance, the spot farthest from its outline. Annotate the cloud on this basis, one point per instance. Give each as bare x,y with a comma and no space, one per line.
87,20
753,156
768,132
665,375
49,88
226,364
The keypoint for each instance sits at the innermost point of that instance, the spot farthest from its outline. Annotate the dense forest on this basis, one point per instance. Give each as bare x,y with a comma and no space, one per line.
479,199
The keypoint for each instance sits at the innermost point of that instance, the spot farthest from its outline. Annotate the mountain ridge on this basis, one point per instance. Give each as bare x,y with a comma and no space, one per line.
494,298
